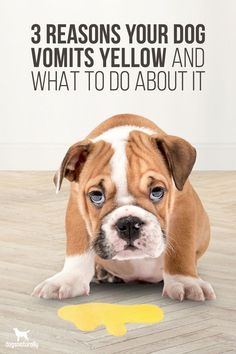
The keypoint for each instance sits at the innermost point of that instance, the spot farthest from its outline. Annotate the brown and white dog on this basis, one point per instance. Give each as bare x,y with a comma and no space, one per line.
132,211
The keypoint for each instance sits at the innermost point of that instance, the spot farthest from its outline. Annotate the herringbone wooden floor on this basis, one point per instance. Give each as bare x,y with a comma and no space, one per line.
32,248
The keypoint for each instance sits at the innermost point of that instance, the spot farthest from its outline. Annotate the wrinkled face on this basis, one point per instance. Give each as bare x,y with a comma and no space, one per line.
124,190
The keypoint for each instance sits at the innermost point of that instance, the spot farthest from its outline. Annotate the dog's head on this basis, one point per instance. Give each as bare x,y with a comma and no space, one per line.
125,185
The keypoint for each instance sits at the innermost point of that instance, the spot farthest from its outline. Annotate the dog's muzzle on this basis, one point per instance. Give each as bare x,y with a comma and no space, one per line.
129,232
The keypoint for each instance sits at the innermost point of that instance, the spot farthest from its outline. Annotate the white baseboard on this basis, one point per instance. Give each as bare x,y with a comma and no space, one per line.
37,156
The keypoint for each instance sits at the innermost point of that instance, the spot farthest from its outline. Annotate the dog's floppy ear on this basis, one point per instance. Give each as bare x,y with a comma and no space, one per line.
72,163
180,157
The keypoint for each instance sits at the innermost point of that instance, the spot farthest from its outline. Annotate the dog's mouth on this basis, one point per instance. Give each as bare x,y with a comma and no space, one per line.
130,252
108,250
130,248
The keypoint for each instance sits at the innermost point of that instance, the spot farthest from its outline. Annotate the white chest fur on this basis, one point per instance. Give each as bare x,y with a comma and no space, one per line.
146,269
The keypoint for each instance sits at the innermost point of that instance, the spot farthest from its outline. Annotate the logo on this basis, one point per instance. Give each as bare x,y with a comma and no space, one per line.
22,340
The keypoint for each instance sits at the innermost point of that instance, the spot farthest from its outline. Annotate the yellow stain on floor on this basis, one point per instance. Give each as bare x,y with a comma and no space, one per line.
87,317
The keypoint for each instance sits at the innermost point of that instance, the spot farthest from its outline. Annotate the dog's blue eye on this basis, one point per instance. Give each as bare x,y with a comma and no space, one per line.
97,197
157,193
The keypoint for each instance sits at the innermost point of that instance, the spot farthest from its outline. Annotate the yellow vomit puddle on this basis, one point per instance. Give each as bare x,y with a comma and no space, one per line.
87,317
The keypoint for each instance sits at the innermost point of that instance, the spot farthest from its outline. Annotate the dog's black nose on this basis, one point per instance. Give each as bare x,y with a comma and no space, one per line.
129,227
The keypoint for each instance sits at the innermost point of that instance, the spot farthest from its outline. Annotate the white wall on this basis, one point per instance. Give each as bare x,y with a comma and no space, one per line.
37,127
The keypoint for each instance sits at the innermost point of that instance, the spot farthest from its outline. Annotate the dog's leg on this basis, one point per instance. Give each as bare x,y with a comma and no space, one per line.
186,240
78,270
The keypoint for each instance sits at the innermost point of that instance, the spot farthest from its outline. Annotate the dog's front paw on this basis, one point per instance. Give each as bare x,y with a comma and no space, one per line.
179,287
62,285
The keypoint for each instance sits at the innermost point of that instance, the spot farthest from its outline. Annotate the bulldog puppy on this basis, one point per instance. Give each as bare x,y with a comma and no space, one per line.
132,212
